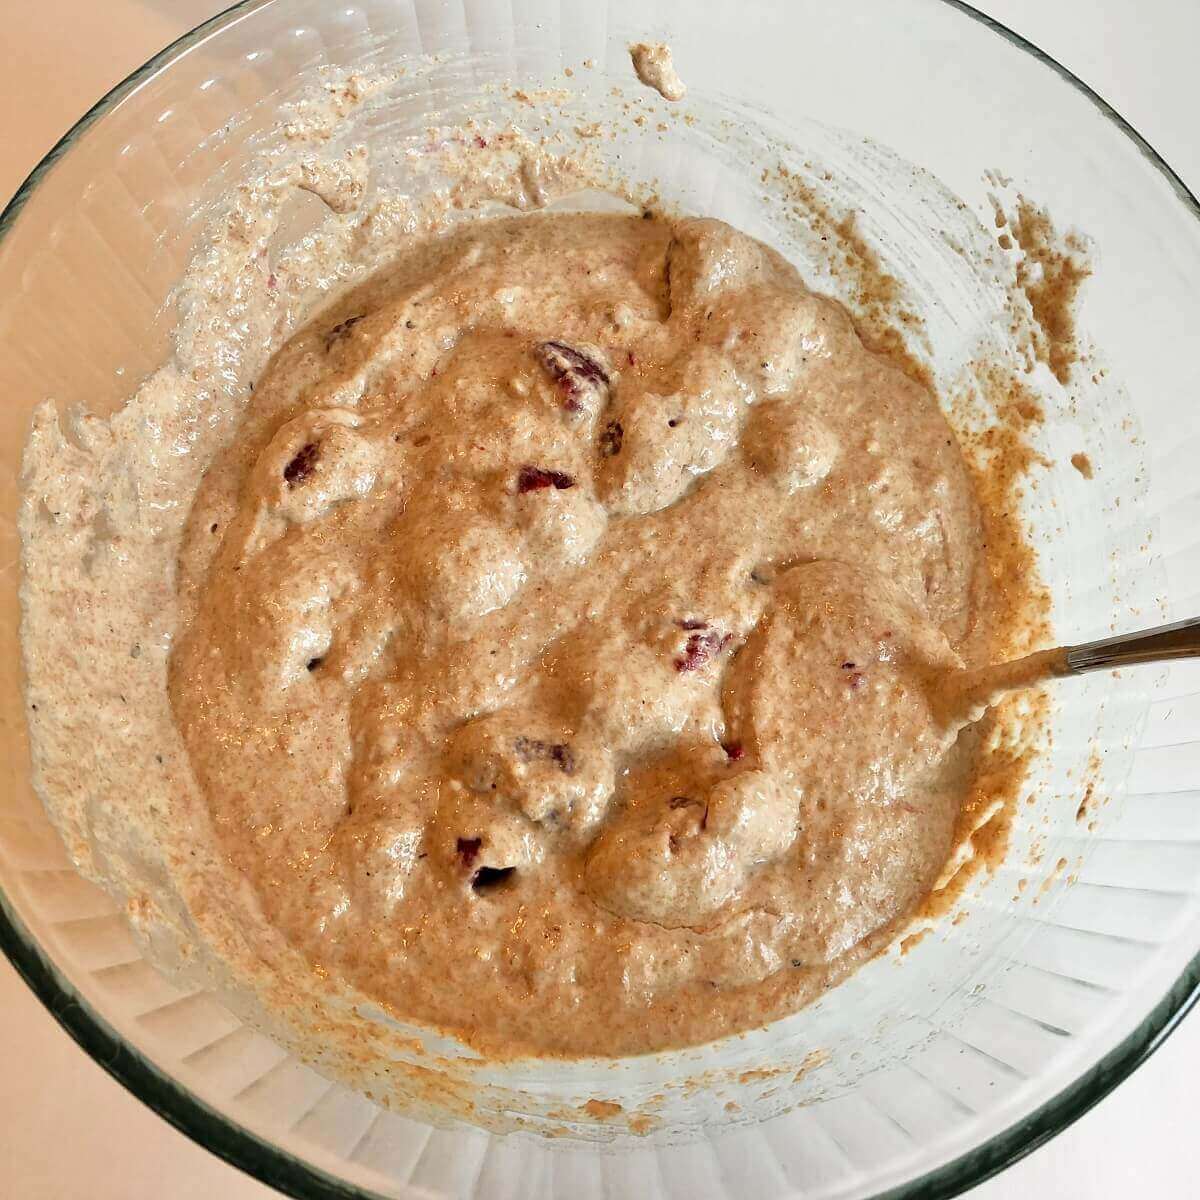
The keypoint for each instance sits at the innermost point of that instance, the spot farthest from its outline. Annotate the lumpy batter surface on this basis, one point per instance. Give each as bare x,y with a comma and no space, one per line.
559,631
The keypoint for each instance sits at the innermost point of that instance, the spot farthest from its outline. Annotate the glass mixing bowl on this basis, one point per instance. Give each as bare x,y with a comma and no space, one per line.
1077,955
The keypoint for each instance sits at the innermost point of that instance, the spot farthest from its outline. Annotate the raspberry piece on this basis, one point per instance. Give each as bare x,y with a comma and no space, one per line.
534,479
700,648
577,375
561,755
529,749
303,464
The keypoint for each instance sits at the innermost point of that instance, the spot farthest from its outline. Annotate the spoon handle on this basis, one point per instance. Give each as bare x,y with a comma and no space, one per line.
964,696
1181,639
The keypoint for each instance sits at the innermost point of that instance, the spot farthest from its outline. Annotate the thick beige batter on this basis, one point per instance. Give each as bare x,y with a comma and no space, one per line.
558,630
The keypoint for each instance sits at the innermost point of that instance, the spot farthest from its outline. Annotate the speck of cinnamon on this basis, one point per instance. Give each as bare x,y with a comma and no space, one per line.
1083,465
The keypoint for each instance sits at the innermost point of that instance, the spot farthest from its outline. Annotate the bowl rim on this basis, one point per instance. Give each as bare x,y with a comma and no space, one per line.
298,1178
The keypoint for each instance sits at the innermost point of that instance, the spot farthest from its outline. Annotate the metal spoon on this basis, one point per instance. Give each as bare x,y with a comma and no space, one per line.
966,696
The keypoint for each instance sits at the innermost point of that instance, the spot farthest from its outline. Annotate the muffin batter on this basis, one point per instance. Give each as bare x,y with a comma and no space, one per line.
559,631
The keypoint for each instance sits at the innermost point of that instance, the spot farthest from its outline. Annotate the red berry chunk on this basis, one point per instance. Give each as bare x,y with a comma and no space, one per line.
303,464
700,648
576,374
534,479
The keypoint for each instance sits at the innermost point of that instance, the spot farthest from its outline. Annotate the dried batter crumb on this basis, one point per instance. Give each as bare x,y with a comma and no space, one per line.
913,940
603,1110
812,1060
654,67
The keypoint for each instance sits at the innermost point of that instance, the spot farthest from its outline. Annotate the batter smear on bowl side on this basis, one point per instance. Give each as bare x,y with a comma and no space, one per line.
558,636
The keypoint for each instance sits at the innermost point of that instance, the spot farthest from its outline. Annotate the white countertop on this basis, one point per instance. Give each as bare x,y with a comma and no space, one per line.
68,1130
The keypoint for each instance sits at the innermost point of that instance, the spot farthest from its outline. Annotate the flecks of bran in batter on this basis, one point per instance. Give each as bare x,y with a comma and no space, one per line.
1050,272
874,294
1000,458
